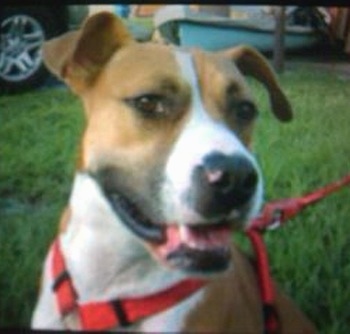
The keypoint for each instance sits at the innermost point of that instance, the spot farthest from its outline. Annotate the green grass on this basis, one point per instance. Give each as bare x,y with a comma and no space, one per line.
39,133
310,255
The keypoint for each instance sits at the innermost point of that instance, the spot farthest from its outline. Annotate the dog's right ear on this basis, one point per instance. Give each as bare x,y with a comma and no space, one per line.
77,57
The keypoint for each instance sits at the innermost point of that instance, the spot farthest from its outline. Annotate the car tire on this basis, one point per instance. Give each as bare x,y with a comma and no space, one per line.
22,32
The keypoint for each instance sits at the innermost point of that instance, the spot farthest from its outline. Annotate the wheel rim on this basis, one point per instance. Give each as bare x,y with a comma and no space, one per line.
20,44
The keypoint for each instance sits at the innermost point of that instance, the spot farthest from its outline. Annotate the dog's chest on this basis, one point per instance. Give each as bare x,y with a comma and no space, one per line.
172,320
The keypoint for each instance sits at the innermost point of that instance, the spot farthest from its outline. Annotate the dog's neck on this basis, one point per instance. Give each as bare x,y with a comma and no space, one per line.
105,259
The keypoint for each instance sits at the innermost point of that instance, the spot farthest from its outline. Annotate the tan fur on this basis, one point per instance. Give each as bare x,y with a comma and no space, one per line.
106,67
239,309
215,74
125,133
103,81
64,219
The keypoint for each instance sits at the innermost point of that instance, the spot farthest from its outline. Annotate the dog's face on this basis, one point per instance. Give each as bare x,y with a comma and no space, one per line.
167,137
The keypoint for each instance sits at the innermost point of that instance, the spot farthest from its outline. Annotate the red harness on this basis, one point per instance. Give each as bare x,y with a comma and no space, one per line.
110,314
120,312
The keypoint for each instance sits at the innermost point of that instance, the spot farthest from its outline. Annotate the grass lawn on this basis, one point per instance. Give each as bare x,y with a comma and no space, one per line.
39,132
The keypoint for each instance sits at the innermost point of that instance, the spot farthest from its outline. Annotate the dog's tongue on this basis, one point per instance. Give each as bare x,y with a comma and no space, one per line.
199,238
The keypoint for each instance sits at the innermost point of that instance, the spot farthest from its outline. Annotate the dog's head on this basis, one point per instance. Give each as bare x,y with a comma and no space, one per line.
168,135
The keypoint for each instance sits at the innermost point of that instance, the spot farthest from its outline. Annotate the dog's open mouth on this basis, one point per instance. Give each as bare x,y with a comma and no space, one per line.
192,248
196,248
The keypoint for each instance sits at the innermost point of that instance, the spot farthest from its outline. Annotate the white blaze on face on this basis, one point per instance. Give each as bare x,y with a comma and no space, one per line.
200,136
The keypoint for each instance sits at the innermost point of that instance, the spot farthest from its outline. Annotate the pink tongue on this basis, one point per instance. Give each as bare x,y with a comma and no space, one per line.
202,238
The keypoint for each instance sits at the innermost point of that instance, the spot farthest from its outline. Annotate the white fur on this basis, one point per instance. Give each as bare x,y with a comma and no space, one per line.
201,136
103,257
101,249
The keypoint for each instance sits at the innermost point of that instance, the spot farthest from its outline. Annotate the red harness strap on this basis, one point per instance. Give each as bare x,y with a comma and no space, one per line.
127,311
111,314
62,286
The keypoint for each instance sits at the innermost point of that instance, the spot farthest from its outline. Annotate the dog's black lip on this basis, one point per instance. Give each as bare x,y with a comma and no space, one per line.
205,261
135,220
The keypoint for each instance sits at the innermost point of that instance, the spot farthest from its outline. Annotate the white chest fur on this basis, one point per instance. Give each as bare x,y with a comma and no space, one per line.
107,262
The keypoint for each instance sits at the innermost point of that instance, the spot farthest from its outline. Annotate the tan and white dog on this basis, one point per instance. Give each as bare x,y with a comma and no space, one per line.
165,175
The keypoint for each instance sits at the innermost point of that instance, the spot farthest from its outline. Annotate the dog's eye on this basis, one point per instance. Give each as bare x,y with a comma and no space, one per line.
245,111
150,105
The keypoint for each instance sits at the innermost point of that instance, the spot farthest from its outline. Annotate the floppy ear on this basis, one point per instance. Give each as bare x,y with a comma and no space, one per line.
77,57
250,62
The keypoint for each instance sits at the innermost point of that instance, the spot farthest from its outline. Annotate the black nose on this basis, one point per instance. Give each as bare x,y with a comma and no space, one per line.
222,183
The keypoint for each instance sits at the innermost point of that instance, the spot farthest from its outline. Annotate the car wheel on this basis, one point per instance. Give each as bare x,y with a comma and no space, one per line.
22,32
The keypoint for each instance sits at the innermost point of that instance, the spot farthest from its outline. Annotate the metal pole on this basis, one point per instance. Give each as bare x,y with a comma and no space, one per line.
278,50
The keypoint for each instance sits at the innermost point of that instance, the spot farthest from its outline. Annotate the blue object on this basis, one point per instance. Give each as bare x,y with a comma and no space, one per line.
122,10
215,37
247,25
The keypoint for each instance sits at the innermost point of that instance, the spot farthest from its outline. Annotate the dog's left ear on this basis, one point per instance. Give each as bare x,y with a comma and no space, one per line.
251,63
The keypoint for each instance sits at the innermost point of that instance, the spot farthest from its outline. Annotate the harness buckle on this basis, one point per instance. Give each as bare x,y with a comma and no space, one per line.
276,219
271,319
59,279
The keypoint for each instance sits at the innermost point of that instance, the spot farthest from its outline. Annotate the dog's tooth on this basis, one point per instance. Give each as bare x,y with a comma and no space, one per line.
187,237
184,233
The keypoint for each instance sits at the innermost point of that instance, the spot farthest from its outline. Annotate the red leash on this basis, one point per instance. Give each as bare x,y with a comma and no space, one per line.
273,215
277,212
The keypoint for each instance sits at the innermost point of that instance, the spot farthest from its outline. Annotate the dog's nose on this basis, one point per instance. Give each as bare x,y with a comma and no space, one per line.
222,183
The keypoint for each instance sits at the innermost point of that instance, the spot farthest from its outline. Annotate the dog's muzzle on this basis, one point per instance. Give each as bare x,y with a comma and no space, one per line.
221,191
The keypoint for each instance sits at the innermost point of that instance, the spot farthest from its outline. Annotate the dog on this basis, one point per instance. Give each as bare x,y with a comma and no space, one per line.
165,175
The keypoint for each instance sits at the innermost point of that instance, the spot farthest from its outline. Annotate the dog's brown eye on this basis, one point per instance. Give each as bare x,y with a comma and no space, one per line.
246,111
149,105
